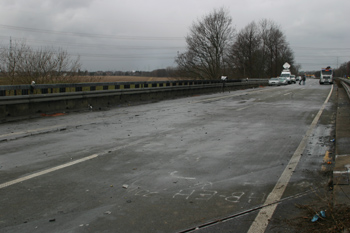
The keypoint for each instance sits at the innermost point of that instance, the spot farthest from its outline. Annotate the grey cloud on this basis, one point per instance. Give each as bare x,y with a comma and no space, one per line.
147,35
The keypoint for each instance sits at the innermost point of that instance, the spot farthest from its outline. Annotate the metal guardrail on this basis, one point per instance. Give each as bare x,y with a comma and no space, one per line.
346,84
23,102
23,90
15,99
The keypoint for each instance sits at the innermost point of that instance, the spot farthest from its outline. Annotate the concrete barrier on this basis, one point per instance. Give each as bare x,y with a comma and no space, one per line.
32,105
341,171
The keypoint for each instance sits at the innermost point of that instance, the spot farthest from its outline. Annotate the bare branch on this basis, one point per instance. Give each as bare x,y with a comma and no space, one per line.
20,64
207,44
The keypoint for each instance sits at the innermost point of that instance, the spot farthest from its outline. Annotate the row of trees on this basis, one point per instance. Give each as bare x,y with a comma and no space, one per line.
21,64
343,70
168,72
214,49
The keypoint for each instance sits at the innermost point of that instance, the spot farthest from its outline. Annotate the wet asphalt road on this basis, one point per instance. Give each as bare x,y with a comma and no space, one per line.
169,166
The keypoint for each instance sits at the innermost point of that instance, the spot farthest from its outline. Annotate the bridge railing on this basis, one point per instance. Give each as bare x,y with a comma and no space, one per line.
346,84
22,90
22,101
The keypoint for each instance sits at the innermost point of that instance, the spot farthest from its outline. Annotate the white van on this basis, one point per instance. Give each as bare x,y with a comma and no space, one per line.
286,74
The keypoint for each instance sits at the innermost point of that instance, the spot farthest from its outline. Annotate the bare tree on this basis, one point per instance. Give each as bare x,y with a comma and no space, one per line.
260,51
20,64
343,70
245,54
207,46
276,48
296,68
11,59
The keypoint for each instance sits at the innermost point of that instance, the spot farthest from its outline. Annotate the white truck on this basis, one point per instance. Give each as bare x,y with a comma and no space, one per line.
326,75
286,73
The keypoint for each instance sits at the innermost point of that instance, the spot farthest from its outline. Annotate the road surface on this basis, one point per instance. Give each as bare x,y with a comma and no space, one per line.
214,163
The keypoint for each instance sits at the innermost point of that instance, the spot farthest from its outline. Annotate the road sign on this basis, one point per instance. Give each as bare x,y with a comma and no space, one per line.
286,65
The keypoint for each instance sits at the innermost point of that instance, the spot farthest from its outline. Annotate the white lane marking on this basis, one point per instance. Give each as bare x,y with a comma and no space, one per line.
288,93
262,219
216,98
239,109
46,171
181,177
4,185
340,172
228,96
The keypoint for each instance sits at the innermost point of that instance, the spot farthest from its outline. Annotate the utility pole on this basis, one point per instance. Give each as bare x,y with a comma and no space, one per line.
10,49
337,62
11,63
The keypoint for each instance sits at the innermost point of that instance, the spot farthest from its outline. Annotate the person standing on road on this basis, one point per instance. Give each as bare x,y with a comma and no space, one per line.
304,78
32,85
223,78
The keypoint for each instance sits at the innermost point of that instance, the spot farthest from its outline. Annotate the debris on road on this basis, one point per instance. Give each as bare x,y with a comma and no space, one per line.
322,214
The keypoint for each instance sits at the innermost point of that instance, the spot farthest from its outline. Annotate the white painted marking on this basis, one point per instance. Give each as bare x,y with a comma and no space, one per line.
181,177
240,109
288,93
262,219
340,172
4,185
228,96
69,164
235,197
180,193
217,98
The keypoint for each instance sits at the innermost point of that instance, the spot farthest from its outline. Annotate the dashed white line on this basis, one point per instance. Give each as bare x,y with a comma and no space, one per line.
181,177
228,96
46,171
239,109
215,98
4,185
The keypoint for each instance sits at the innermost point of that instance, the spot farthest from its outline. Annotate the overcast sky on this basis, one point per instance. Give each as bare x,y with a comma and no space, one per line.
147,34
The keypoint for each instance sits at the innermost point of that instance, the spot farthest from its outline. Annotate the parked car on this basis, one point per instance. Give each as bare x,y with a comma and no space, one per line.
283,80
274,82
298,78
293,79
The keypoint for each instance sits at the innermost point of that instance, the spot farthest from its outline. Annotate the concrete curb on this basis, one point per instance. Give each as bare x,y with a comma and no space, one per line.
27,133
342,160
